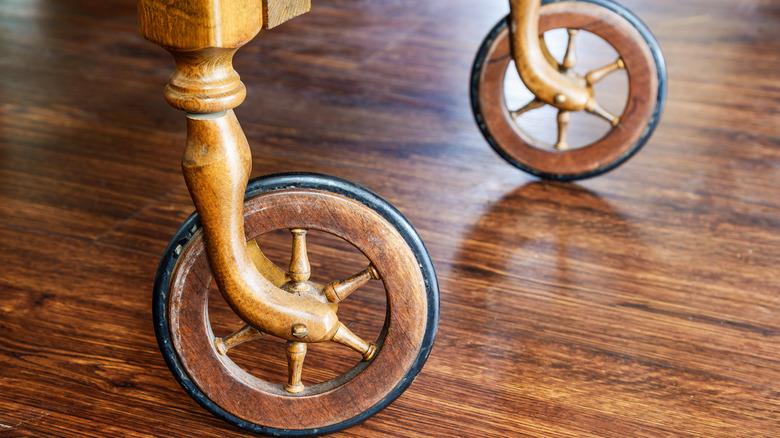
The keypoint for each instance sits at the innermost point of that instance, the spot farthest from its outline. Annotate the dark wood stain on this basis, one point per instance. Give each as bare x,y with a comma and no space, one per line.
645,302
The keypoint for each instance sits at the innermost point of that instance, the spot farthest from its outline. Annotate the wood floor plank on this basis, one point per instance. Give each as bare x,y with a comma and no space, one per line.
642,303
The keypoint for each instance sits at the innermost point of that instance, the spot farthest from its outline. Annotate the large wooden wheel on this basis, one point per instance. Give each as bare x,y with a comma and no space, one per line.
638,57
396,257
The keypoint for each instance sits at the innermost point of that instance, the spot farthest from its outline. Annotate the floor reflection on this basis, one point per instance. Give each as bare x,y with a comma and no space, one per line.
543,241
536,284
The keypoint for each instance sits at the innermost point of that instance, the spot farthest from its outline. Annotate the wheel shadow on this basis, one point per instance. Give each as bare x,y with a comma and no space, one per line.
542,238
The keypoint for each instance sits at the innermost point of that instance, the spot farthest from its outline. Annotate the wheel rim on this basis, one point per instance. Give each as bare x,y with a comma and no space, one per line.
637,120
264,407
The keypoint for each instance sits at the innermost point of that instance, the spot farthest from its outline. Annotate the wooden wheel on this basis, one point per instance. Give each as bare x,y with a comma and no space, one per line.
638,57
384,367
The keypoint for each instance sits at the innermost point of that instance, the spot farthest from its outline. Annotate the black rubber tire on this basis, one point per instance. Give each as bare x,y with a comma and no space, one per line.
280,182
660,100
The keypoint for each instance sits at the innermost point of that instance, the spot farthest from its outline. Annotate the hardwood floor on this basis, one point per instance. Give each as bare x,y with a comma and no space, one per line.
645,302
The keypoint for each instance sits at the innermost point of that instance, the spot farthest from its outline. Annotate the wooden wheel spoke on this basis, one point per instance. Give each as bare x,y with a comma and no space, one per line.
594,107
296,353
244,334
564,117
344,336
340,289
300,270
600,73
532,105
570,58
267,268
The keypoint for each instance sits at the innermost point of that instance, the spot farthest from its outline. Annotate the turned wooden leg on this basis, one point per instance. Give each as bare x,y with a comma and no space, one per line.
203,36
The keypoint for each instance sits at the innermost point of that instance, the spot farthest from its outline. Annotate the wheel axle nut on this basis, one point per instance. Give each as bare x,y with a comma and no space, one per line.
300,331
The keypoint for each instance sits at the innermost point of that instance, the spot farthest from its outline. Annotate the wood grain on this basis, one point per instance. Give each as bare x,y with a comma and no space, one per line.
641,303
200,24
276,12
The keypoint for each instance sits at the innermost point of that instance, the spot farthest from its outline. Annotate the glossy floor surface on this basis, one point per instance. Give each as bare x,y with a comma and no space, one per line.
645,302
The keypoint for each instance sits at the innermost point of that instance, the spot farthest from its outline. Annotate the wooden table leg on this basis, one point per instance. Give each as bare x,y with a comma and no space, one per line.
203,36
